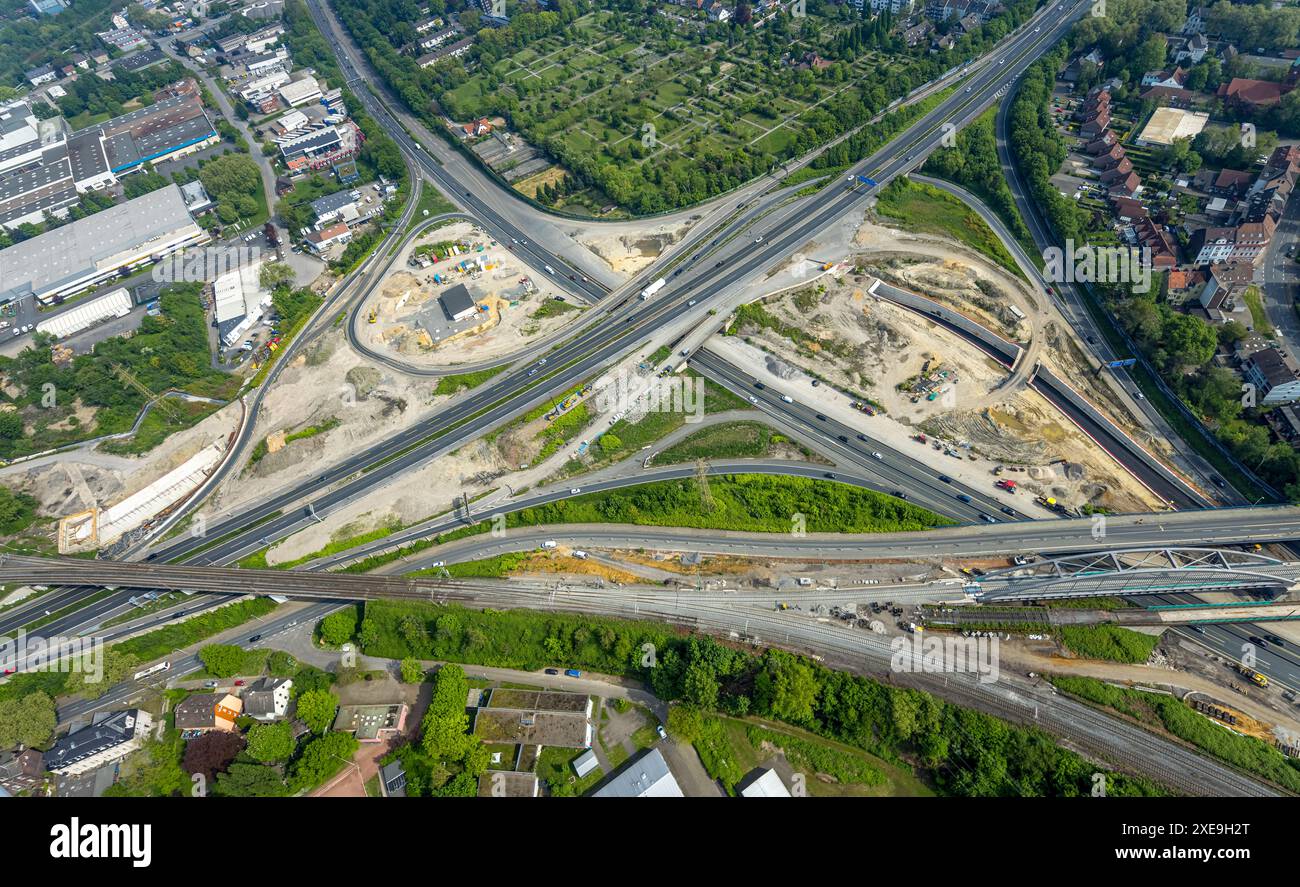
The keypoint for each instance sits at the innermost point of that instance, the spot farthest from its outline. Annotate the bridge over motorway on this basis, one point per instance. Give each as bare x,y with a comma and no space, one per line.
1117,571
1138,571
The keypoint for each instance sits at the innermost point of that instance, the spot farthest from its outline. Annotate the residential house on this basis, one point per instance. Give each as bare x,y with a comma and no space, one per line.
1127,209
203,712
43,74
1195,49
1090,129
1175,79
268,699
1156,237
1252,95
1221,287
1127,186
1118,173
1231,184
1275,376
1210,245
917,33
110,737
1101,144
21,771
1111,158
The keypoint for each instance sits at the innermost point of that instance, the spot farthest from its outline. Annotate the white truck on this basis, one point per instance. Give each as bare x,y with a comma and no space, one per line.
652,289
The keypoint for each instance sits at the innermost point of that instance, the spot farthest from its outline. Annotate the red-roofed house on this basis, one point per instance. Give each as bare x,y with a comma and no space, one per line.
1252,94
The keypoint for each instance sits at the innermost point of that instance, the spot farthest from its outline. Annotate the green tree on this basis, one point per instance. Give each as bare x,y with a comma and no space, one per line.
222,660
316,709
412,670
271,742
338,628
28,721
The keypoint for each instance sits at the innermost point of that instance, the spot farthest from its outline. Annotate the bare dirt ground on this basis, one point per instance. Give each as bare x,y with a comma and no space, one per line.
629,250
873,349
410,322
78,480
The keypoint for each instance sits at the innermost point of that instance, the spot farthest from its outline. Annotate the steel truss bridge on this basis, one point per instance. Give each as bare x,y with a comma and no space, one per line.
1136,571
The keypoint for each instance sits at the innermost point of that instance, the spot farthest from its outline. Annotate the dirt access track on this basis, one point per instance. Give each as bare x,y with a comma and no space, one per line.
517,304
920,378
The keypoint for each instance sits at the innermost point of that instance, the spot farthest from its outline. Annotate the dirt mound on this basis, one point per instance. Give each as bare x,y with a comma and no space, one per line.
364,380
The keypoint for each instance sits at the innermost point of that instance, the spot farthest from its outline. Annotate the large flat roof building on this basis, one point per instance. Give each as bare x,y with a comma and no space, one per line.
89,251
646,777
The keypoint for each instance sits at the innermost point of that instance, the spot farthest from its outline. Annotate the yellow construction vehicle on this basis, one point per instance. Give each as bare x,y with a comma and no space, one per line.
1255,676
372,317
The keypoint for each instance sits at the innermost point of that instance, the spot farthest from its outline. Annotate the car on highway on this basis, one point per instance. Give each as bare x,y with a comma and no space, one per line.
758,239
945,478
1007,510
1274,640
759,385
821,418
844,438
1257,640
828,475
753,399
573,491
438,564
962,497
899,494
862,437
254,639
988,519
690,303
879,457
533,372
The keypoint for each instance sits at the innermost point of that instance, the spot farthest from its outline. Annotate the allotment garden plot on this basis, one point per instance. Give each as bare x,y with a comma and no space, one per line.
661,109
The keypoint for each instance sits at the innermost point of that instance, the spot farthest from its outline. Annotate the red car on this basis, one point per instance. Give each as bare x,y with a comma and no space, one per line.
239,683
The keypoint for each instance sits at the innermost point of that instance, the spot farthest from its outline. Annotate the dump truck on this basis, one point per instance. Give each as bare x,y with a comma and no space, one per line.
1257,678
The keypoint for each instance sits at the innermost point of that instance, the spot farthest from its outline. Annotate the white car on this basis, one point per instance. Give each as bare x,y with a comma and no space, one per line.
758,239
4,324
661,732
878,456
787,398
575,491
438,564
753,399
690,303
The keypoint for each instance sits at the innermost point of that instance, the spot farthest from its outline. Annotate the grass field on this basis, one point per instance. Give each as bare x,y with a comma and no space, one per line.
924,208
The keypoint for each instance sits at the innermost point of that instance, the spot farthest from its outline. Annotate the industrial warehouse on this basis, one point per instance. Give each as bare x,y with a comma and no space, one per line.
89,251
44,165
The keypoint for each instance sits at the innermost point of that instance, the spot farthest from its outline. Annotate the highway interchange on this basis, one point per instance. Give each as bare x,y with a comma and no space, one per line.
703,272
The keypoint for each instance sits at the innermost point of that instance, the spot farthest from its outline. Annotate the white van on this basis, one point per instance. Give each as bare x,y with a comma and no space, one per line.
548,544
